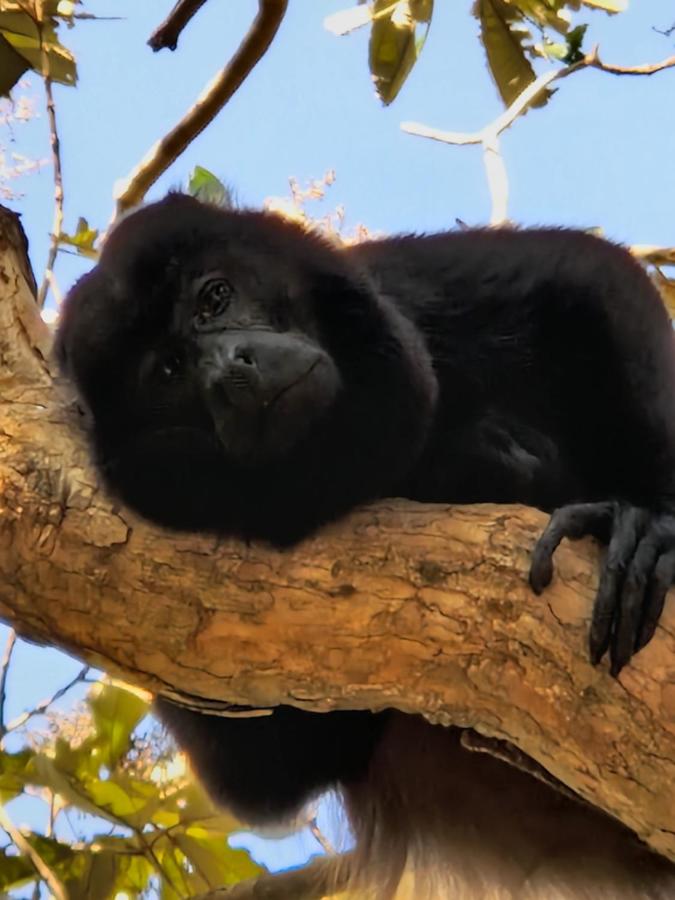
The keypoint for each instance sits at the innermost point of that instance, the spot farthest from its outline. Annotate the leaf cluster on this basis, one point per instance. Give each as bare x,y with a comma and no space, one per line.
29,41
146,828
513,33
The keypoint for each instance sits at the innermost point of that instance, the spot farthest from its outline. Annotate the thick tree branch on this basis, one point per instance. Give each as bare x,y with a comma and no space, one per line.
422,608
158,159
167,34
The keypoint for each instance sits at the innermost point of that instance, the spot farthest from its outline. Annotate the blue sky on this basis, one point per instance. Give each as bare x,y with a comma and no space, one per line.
601,152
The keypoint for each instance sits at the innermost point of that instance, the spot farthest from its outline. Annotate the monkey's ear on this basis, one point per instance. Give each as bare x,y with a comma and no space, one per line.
88,323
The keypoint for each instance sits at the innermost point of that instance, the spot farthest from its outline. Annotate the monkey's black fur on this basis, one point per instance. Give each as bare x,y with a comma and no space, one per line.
247,378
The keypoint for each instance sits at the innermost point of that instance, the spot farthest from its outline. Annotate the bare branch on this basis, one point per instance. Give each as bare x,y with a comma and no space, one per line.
489,135
595,62
57,224
653,254
44,705
208,105
502,122
489,138
4,670
24,846
320,837
497,179
167,34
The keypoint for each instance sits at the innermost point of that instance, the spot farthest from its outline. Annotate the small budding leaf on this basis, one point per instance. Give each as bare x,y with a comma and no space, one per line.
83,240
206,187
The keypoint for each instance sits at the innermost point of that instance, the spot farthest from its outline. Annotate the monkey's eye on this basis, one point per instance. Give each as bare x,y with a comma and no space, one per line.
214,298
170,365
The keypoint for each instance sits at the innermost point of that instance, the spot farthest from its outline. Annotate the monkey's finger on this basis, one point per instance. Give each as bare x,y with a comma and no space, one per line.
630,609
662,579
573,521
628,526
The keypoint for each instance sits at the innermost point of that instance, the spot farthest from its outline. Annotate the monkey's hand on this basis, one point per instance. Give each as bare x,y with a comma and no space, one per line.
639,568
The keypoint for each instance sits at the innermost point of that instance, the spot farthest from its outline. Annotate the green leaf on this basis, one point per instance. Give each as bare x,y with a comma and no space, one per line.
111,797
83,240
91,874
574,41
133,875
504,39
609,6
215,859
49,774
544,13
206,187
23,34
422,10
17,870
396,41
105,868
12,66
116,712
14,768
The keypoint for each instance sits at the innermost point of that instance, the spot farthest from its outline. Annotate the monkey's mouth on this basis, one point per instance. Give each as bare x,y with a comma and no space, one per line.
254,429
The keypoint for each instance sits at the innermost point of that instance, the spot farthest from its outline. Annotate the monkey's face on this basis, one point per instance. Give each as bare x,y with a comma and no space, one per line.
228,359
233,361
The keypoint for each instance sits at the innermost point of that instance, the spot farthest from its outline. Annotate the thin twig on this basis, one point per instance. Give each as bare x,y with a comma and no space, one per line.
57,294
44,705
645,69
4,670
320,837
653,254
503,121
57,224
24,846
489,135
208,105
167,34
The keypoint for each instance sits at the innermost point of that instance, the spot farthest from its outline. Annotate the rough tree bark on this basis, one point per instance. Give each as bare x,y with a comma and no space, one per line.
423,608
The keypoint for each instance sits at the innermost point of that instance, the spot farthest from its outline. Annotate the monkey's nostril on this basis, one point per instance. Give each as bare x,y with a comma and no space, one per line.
244,355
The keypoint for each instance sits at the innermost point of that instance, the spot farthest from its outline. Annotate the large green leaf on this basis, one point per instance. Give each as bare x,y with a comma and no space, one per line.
505,37
49,773
18,870
116,712
14,768
23,35
92,874
545,13
397,36
12,66
15,871
214,858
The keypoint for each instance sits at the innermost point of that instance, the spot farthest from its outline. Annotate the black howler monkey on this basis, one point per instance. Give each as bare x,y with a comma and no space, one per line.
245,377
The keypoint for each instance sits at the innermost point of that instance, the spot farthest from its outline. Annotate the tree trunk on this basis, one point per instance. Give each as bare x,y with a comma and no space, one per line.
419,607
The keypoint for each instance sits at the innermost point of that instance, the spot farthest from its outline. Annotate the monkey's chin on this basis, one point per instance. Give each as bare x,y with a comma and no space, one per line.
255,438
256,444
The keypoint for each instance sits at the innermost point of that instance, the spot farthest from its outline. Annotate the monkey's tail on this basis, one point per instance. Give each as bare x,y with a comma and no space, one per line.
435,820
